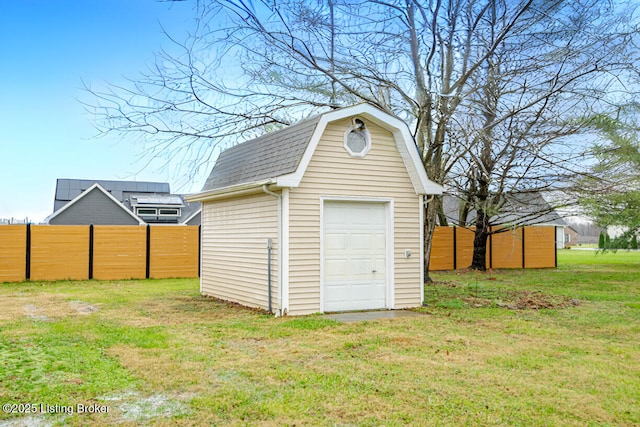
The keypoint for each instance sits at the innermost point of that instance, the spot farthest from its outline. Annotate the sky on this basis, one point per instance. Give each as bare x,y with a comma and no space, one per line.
48,48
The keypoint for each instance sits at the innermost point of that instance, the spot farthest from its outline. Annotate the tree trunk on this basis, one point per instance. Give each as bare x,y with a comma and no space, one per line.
481,234
430,215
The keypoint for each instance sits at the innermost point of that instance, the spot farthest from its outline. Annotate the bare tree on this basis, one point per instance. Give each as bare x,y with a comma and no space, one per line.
252,66
522,141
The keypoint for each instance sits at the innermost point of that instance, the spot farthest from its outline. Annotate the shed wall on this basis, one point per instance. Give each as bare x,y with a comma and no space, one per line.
332,172
234,249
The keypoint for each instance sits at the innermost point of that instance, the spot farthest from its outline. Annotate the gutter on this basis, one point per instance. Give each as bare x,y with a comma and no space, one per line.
230,191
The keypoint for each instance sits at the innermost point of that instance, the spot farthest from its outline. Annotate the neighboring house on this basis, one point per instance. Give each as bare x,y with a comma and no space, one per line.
518,209
570,236
324,215
101,202
588,231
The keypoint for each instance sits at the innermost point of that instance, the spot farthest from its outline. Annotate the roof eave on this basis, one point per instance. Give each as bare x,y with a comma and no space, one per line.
230,191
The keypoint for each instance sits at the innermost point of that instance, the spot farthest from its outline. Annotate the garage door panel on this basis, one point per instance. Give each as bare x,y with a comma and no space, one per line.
379,242
364,216
360,241
336,294
334,269
379,266
334,241
360,268
335,218
365,289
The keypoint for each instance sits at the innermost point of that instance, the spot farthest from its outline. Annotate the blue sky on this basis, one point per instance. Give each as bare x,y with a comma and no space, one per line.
47,49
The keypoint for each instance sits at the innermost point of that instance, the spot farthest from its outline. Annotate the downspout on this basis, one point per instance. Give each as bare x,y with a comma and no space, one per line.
266,190
269,242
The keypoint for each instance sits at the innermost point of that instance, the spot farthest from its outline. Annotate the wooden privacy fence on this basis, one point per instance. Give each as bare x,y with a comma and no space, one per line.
105,252
523,247
112,252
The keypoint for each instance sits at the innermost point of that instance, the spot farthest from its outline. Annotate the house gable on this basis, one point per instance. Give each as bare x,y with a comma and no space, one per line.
94,206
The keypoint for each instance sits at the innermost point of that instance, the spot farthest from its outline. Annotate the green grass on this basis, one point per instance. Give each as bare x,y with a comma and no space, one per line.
486,352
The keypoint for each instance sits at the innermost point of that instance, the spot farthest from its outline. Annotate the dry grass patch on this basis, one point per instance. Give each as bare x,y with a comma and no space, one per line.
42,307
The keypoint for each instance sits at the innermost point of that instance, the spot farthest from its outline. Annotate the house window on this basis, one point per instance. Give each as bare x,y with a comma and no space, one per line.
169,212
147,211
357,141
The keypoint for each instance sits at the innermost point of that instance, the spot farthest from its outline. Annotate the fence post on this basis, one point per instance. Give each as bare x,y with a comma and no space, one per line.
27,273
555,247
148,262
90,251
455,249
491,247
524,247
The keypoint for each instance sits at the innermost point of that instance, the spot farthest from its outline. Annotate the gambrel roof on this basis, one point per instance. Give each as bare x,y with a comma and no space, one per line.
280,158
273,154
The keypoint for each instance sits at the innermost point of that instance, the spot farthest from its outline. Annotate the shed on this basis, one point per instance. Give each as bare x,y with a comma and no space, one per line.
325,215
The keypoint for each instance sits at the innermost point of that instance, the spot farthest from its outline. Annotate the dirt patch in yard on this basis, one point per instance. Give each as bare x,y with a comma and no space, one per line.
443,293
523,300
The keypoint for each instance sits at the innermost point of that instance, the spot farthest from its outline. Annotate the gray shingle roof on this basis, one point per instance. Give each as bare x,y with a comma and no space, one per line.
268,156
517,209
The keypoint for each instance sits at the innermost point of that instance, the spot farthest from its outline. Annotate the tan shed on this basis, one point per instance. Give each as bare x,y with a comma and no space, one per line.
324,215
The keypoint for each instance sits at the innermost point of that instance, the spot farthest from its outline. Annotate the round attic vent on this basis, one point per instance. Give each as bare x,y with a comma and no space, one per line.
357,141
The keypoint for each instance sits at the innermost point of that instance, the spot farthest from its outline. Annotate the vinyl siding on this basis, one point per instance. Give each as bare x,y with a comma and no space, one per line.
332,172
234,249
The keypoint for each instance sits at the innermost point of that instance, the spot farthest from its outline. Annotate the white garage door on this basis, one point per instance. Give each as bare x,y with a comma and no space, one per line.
354,256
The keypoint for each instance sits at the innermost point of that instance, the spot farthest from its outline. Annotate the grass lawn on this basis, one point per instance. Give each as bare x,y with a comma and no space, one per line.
538,347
